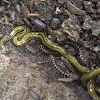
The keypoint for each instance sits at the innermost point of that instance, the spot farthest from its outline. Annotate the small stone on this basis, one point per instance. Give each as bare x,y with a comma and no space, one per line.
97,48
18,8
27,75
88,6
96,28
55,23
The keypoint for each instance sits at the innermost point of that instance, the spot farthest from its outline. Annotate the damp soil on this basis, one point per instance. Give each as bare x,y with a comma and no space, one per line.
19,69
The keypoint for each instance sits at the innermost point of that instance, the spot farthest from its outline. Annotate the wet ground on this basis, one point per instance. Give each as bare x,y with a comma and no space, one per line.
19,69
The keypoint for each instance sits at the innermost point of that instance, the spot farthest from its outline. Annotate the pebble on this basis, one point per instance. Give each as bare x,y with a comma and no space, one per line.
55,23
89,6
34,95
2,8
97,48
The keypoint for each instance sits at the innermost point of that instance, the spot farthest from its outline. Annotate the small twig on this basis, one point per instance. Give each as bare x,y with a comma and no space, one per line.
30,15
26,13
24,10
6,23
65,79
6,19
67,63
7,1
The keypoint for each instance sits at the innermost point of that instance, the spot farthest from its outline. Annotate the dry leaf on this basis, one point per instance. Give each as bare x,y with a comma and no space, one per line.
73,9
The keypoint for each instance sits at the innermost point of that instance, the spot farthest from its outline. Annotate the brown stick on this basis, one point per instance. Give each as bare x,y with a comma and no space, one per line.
33,15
